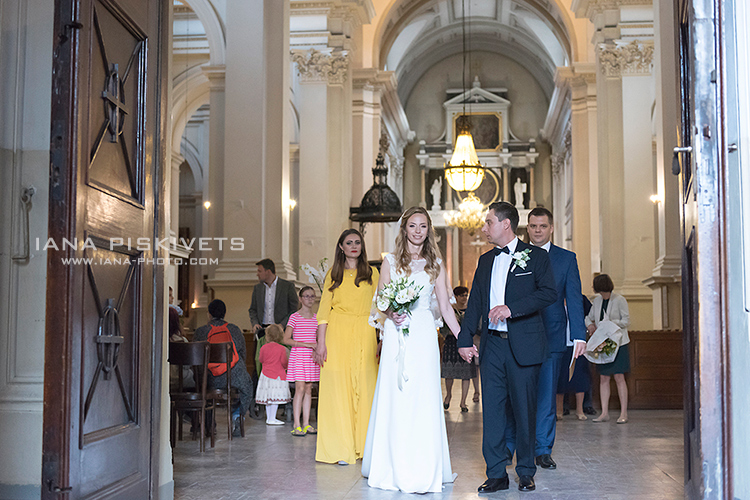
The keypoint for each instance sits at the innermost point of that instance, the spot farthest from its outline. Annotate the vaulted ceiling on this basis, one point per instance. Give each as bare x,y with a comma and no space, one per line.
416,34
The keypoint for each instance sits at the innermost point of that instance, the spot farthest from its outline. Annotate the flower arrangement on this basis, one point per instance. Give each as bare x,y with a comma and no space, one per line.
608,347
316,275
399,295
520,259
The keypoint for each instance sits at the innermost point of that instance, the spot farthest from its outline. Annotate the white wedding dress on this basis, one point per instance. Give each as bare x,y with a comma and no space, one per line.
407,445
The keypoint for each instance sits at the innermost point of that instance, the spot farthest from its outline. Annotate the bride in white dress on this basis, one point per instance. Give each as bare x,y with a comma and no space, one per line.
407,445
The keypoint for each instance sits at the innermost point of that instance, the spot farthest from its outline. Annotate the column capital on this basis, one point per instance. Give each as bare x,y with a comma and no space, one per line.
177,160
622,58
217,76
322,66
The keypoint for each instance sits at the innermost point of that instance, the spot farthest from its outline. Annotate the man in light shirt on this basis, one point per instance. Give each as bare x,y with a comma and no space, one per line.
567,310
274,299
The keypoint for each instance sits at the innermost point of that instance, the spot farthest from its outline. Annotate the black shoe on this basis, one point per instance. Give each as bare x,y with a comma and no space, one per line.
545,462
526,483
566,411
494,484
508,457
589,410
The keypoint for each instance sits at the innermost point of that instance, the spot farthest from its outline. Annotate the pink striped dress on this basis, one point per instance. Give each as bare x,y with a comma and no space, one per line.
301,364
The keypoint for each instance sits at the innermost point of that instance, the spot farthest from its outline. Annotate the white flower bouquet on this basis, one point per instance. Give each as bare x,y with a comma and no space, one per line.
316,275
399,296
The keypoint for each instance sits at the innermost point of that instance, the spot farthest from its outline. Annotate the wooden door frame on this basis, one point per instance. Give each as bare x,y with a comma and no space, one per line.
65,157
705,195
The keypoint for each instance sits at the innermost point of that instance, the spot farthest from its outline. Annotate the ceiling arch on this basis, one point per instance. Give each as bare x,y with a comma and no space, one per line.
533,32
214,26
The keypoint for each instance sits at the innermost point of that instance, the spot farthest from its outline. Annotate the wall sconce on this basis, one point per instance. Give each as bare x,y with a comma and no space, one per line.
206,205
292,204
655,198
194,305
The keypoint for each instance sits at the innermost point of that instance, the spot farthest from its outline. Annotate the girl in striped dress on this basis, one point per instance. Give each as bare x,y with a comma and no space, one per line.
300,334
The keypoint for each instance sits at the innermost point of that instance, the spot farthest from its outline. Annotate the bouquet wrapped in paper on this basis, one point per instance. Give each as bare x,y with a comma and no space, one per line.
399,296
604,343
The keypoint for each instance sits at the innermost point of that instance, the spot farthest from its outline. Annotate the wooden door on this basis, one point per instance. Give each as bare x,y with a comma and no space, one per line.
700,163
102,391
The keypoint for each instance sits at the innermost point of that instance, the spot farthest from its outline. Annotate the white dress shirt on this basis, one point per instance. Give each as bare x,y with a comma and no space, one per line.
500,268
269,302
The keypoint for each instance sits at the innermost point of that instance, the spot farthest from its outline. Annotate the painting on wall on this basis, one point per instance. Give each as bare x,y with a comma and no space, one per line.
486,129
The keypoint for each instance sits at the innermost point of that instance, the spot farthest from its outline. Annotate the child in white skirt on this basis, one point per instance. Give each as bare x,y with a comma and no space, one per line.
273,389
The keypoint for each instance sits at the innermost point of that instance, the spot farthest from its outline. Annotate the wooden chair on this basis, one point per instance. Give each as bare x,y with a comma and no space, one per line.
195,356
225,396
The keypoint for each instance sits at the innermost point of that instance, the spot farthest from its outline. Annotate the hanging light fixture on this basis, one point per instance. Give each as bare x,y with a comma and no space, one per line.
464,172
469,216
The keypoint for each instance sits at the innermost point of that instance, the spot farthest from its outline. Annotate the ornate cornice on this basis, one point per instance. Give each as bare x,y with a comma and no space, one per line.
590,8
316,66
634,58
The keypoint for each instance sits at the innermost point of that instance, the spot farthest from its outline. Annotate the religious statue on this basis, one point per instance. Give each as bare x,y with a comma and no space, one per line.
436,190
519,188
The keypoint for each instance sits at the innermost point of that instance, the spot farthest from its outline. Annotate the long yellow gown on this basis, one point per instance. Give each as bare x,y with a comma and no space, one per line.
348,377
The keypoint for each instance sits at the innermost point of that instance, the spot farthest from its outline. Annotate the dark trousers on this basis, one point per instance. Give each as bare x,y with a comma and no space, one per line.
505,382
546,408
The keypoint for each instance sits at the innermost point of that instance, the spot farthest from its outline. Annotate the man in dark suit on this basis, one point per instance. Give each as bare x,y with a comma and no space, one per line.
567,310
274,299
513,283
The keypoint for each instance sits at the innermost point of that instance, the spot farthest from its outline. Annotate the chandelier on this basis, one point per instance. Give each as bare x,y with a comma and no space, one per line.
469,216
464,172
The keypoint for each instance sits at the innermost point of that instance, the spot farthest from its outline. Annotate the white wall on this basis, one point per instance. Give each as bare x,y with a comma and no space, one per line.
25,96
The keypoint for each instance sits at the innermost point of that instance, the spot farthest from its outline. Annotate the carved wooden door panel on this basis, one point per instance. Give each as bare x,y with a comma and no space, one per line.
104,308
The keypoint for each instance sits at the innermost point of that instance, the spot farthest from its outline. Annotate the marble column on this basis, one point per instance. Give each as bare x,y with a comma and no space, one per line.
325,146
626,173
586,229
253,181
665,277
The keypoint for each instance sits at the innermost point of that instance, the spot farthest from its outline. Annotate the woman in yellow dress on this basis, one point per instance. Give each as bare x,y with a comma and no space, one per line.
347,353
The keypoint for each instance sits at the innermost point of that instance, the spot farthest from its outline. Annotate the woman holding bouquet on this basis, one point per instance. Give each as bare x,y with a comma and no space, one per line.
614,307
407,446
346,351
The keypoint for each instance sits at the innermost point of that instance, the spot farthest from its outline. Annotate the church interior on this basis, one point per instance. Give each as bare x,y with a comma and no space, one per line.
288,121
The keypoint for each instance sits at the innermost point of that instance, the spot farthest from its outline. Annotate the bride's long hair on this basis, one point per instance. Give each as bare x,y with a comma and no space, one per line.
430,251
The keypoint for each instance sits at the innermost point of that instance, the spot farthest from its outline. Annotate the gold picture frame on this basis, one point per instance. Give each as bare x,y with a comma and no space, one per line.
486,129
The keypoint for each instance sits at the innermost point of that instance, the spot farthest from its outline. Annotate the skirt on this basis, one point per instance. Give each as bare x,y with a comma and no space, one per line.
272,392
621,364
453,365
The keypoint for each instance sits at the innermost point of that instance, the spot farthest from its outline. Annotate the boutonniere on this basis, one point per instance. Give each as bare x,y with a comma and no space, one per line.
520,259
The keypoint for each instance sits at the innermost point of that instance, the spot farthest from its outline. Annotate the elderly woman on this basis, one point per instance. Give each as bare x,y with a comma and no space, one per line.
613,307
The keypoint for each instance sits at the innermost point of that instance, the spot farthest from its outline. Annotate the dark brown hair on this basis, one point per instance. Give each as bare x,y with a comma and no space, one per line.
603,283
364,271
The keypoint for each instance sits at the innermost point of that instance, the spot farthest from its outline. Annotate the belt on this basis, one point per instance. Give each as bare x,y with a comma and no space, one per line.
497,333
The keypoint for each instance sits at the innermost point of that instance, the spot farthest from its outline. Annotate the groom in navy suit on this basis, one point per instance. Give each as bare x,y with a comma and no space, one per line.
513,283
567,310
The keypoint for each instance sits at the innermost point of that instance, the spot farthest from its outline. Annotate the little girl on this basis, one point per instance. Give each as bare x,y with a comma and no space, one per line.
273,389
303,371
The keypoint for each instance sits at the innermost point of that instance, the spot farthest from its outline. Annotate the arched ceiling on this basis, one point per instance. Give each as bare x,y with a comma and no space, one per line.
416,34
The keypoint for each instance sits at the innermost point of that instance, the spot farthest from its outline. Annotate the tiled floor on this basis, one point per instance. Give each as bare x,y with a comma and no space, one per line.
642,460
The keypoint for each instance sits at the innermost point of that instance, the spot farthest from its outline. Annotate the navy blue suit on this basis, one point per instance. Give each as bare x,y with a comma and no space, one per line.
556,319
510,367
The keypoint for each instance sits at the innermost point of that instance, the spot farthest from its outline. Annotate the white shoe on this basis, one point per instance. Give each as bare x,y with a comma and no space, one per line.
342,462
275,421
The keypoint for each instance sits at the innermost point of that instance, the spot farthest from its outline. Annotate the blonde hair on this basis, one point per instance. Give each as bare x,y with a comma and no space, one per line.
274,333
430,251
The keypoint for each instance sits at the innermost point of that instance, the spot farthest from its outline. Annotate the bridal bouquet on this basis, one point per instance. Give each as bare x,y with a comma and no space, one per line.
316,275
399,295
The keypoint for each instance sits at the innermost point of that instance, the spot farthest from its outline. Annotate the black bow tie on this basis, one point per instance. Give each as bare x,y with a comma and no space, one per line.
498,251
